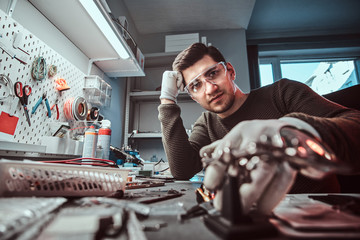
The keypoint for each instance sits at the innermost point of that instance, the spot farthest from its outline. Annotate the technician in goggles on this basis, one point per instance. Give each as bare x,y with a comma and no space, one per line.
302,136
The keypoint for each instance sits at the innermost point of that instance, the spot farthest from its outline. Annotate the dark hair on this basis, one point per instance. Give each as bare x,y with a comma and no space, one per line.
194,53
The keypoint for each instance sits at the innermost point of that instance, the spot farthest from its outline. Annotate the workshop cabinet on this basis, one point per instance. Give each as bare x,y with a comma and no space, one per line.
142,126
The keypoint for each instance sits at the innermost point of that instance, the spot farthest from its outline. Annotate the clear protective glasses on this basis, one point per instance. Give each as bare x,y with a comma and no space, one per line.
212,74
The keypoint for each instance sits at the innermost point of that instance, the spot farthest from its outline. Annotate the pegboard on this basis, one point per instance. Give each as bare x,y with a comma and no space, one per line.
16,71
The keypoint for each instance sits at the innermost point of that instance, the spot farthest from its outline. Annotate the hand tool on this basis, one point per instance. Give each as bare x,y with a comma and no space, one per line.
43,97
57,108
23,93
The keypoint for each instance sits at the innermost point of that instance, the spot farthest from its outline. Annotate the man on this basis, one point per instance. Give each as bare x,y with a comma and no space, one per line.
235,119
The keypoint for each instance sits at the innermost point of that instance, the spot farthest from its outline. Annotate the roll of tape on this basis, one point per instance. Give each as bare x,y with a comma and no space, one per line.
80,108
75,109
93,114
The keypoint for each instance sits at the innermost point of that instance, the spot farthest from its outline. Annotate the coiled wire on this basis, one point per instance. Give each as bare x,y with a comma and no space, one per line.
38,69
7,83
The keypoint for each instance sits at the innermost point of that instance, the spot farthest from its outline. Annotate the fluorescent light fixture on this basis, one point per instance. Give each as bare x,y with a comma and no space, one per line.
104,26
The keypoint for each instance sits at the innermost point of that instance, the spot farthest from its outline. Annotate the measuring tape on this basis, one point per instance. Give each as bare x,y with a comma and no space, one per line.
75,109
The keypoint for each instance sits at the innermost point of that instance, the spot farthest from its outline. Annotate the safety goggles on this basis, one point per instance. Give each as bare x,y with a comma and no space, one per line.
212,74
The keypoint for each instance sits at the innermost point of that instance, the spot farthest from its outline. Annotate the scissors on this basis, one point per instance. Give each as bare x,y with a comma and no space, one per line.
23,93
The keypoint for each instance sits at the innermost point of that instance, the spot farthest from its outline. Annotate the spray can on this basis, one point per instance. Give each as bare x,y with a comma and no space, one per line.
90,141
104,139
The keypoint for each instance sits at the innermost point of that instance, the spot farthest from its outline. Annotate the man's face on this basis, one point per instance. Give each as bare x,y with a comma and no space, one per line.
217,96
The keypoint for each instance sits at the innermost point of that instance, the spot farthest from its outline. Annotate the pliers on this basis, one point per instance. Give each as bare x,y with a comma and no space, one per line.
57,108
43,97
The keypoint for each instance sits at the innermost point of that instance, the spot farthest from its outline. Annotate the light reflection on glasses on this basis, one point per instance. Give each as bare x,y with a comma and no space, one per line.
212,75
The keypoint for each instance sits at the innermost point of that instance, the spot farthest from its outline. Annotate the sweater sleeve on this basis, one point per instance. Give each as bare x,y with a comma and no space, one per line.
338,126
341,133
182,155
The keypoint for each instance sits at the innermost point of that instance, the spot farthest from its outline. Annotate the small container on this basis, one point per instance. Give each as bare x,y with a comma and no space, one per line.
104,137
93,81
90,143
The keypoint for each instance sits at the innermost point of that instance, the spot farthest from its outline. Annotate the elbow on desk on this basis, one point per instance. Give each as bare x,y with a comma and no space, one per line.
181,175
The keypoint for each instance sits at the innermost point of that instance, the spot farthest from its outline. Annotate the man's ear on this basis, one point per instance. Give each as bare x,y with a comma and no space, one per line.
231,70
183,79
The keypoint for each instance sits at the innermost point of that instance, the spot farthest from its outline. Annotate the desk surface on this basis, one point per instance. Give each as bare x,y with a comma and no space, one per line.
166,213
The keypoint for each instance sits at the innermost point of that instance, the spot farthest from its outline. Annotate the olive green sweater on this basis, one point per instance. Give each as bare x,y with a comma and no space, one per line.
338,126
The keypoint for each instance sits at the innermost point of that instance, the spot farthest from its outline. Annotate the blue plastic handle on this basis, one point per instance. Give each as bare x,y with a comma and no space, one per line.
36,106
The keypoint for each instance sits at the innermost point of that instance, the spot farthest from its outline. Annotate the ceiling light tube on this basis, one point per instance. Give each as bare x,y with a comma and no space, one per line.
104,26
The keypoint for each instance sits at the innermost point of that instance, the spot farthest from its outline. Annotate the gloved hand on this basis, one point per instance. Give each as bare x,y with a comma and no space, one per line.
269,184
270,180
172,82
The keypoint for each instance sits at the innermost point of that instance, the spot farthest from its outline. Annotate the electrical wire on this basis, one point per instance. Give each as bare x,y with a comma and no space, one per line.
123,28
8,84
85,161
38,69
158,162
163,170
52,71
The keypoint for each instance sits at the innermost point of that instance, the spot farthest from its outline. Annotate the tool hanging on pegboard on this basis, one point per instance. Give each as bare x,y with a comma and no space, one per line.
6,83
52,70
38,69
43,97
23,94
61,85
12,48
8,121
76,109
55,105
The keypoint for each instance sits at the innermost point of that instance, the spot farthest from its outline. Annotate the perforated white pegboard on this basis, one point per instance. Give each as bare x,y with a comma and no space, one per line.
16,71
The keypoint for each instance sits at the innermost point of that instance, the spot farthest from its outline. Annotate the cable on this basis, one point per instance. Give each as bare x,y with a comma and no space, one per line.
163,170
158,162
52,71
75,109
123,28
85,161
8,84
38,69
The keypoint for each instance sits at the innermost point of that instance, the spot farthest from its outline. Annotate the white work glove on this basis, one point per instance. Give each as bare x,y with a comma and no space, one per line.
270,180
172,82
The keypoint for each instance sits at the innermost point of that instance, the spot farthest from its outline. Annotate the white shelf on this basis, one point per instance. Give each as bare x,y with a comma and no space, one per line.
152,95
21,147
15,149
146,135
159,59
135,99
80,28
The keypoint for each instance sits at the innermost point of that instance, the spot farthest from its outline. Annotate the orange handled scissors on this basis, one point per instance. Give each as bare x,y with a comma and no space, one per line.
23,93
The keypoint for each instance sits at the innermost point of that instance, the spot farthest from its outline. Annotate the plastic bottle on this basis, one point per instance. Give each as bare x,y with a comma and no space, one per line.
90,141
104,139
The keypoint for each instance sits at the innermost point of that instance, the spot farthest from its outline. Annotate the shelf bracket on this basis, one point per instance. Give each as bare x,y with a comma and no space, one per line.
11,7
92,60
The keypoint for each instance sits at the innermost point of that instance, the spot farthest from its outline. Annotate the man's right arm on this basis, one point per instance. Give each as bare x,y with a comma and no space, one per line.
183,158
166,101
